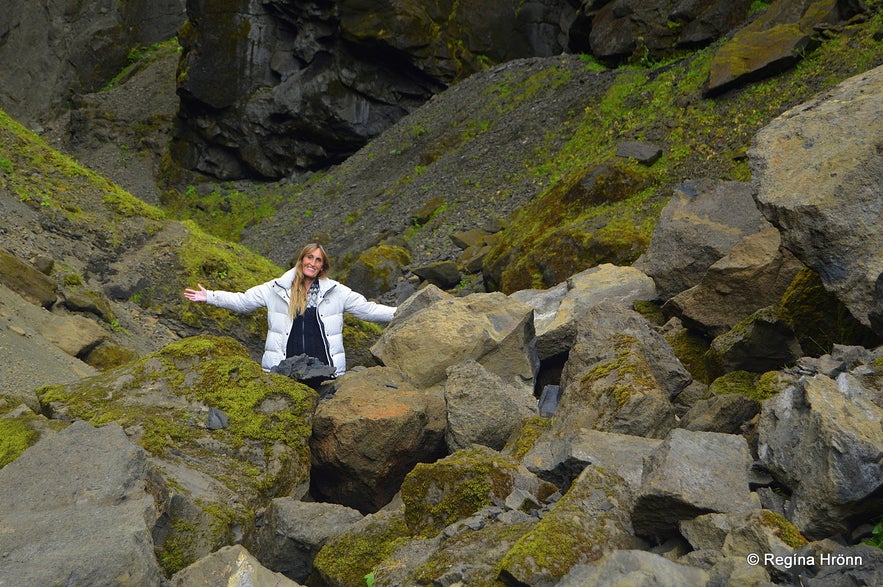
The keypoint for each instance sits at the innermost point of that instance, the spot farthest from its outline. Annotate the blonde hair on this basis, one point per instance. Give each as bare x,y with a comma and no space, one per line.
298,303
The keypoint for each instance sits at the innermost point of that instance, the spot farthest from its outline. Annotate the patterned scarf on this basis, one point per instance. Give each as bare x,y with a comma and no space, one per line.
313,294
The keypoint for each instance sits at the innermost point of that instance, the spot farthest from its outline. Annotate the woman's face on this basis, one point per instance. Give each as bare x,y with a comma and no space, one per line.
312,263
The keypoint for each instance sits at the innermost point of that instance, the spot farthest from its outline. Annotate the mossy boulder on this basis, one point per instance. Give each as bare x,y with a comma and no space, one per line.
467,553
376,270
438,494
589,521
601,215
346,559
773,42
617,394
758,343
754,386
209,480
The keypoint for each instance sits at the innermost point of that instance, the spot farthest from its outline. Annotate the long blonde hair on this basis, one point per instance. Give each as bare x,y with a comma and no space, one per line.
298,303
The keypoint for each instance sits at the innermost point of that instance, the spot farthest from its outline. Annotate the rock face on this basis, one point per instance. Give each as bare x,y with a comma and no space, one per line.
274,88
774,41
623,29
818,171
77,501
702,221
823,439
269,88
81,46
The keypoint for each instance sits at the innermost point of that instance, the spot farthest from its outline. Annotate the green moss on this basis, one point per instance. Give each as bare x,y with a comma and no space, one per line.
210,371
569,533
818,318
68,193
438,494
358,338
768,385
15,437
611,220
349,557
524,439
785,530
620,378
649,310
110,356
740,382
175,553
223,213
218,265
690,349
480,551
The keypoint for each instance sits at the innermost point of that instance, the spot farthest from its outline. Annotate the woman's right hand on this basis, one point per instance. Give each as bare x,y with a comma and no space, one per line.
196,295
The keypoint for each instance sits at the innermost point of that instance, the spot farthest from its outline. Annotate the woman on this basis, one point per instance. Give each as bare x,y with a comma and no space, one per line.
304,310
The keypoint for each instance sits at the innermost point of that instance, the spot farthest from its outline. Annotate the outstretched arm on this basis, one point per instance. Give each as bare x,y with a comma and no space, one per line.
196,295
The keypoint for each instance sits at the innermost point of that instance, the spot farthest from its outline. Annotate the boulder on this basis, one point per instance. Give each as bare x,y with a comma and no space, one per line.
20,338
468,552
560,459
349,558
701,223
377,270
26,280
482,408
832,144
634,567
620,376
426,296
443,274
759,343
861,564
824,446
229,565
590,520
490,328
644,153
726,414
739,535
690,474
291,532
754,274
208,483
76,510
456,487
557,310
366,438
774,41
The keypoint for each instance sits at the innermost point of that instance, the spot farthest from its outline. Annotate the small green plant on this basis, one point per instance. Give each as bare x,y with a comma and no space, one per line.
369,579
876,538
758,6
5,165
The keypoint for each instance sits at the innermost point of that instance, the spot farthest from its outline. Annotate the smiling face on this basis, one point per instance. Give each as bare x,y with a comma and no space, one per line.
312,264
